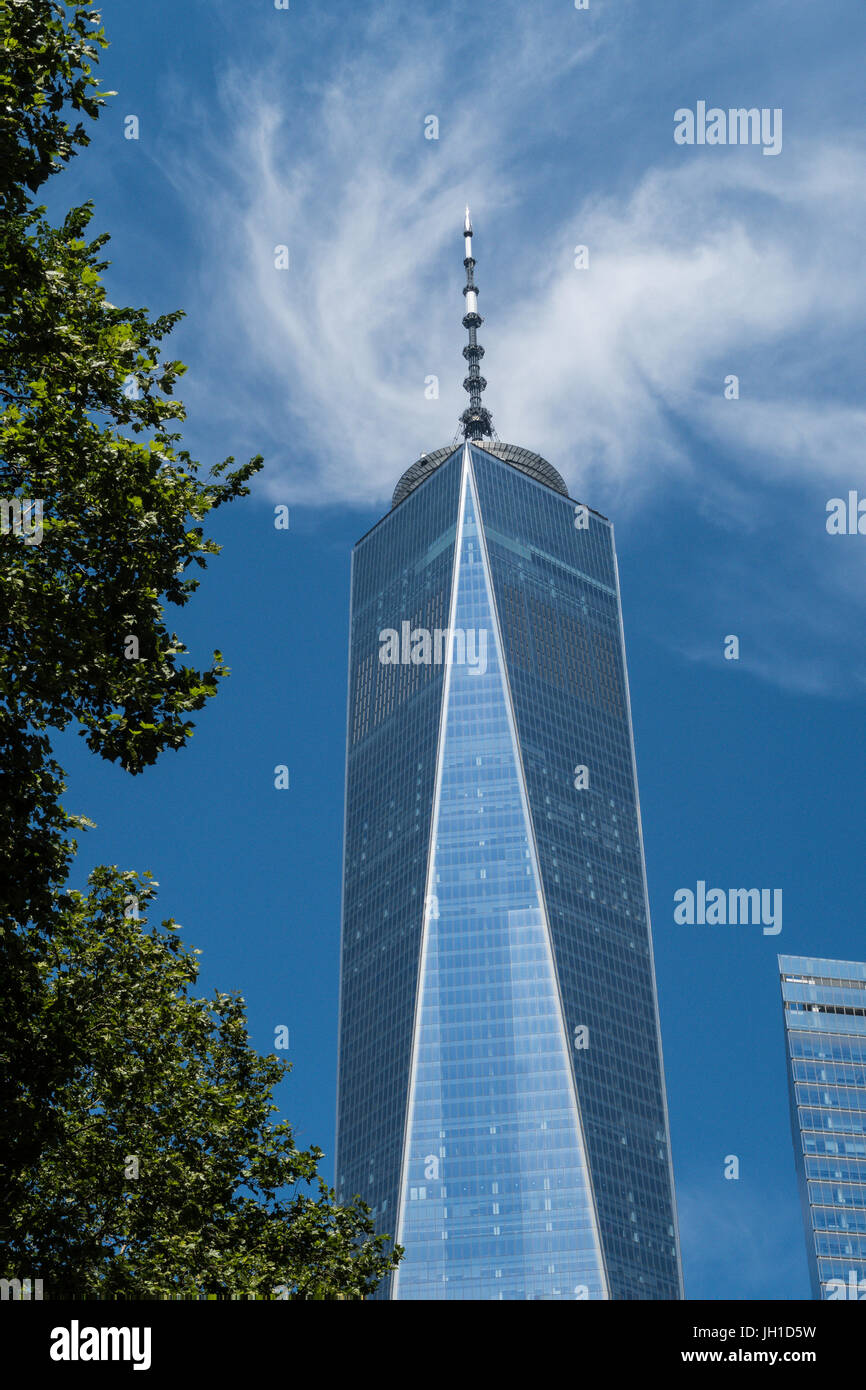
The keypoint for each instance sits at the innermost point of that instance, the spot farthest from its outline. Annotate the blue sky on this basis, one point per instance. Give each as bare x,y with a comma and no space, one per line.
305,128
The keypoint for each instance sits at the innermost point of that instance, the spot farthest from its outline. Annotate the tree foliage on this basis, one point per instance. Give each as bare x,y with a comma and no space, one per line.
104,1053
163,1173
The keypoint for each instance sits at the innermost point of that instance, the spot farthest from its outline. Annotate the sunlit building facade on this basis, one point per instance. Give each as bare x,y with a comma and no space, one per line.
824,1004
501,1096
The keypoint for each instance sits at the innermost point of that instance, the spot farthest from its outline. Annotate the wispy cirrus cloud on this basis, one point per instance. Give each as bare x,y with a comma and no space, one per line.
371,213
703,263
713,265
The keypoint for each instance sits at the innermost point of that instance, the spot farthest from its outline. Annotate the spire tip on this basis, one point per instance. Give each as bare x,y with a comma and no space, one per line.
476,421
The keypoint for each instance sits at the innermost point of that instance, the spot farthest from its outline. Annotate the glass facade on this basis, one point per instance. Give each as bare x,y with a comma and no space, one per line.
825,1031
501,1098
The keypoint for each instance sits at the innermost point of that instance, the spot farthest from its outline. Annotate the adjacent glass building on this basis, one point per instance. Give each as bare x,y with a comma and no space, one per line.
501,1097
825,1032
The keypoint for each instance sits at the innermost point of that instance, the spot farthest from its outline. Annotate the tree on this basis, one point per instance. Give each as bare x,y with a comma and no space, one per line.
165,1174
86,438
101,526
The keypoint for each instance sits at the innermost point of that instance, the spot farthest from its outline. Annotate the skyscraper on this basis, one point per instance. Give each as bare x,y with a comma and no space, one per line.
825,1031
501,1096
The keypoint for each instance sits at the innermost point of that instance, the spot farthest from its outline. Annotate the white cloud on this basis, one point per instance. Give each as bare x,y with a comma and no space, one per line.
704,271
713,261
340,345
792,615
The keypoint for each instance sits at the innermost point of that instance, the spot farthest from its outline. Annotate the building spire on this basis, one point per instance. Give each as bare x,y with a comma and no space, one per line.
477,421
